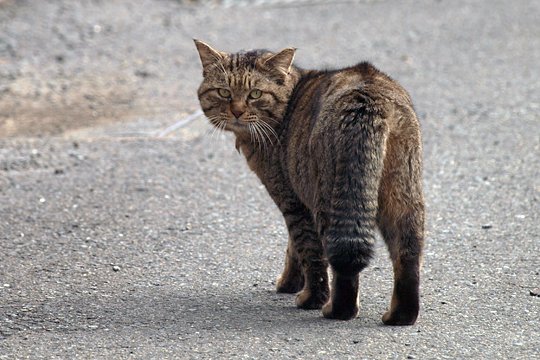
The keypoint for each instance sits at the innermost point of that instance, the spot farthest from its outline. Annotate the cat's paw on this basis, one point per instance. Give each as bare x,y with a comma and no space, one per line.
308,300
339,313
400,318
289,285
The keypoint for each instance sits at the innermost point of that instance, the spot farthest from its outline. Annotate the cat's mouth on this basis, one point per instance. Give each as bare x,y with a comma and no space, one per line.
228,124
236,125
257,130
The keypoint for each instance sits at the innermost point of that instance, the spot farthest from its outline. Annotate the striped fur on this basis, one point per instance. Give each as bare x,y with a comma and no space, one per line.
340,154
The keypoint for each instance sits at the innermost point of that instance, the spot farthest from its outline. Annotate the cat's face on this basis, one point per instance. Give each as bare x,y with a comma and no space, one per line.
246,93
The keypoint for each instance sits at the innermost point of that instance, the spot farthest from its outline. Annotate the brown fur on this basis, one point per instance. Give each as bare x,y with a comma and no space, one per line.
340,154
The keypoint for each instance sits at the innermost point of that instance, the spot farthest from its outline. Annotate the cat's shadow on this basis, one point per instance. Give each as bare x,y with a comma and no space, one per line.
187,313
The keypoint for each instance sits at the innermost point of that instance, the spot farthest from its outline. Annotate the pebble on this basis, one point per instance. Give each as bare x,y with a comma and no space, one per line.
535,292
116,268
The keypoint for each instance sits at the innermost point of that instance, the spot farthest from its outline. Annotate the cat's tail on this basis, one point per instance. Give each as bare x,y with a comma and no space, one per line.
351,217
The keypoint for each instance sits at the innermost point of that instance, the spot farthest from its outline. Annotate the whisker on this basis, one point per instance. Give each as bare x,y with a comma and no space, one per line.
269,119
251,135
216,127
254,124
270,129
211,130
264,132
217,122
220,130
265,125
223,126
262,140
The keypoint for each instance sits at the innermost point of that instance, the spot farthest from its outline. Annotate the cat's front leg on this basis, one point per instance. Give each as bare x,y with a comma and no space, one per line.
292,279
304,242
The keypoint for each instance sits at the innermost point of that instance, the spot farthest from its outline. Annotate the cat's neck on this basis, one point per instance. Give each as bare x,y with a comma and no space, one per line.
257,159
255,149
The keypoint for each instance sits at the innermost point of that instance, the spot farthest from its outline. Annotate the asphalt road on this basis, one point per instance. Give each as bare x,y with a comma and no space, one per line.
116,242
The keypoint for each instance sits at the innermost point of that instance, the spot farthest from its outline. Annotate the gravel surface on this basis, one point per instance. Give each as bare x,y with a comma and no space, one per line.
121,240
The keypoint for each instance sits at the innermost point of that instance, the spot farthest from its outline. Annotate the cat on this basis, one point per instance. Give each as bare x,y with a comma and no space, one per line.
340,153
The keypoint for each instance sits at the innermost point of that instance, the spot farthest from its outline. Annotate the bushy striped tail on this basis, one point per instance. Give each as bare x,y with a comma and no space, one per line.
351,218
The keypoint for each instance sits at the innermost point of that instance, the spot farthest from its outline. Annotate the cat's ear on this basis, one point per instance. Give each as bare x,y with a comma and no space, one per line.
207,54
281,62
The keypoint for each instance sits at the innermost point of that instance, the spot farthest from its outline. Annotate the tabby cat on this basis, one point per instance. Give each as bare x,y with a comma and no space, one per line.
340,153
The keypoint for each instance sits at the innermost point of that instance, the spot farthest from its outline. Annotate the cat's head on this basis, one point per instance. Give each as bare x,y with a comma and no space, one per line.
246,92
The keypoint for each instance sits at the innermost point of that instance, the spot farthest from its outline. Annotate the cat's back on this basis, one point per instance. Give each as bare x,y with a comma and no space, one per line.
322,98
342,89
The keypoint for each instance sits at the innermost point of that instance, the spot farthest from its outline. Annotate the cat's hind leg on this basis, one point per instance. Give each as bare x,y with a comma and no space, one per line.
401,221
404,240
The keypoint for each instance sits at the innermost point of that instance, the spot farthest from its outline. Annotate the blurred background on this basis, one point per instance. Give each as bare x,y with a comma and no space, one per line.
66,66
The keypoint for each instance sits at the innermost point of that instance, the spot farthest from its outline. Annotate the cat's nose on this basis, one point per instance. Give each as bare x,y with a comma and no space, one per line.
237,112
237,108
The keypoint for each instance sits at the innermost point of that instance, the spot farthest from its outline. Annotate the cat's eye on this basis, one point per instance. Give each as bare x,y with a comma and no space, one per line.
224,93
255,94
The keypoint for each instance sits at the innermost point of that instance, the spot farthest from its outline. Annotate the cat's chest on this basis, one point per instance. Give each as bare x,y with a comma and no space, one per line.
254,158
